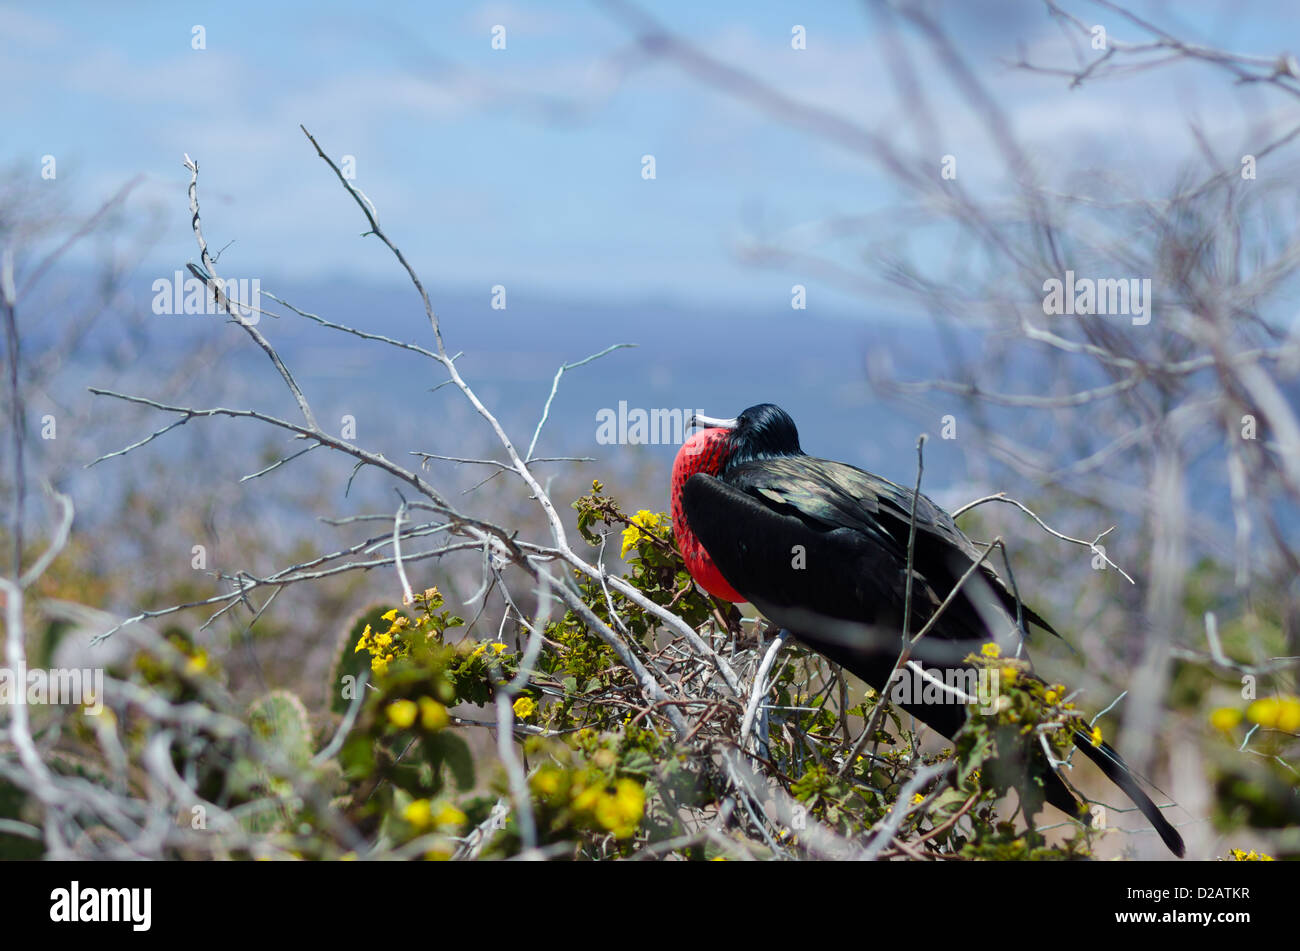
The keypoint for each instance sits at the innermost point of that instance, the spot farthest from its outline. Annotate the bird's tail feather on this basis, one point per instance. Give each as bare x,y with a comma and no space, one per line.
1117,771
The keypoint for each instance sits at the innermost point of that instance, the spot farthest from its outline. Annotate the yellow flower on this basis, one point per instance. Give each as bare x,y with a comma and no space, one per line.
383,640
991,650
1264,712
620,812
631,798
389,615
419,814
525,707
1288,721
586,799
1009,674
1051,696
546,782
449,816
1095,736
917,799
433,715
1225,718
198,663
643,522
1278,713
364,642
498,647
401,713
1241,855
607,813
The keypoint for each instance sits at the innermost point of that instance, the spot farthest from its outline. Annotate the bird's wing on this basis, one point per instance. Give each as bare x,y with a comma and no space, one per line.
840,590
785,561
837,495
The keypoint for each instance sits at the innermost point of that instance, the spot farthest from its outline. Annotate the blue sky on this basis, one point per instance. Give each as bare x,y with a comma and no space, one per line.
522,166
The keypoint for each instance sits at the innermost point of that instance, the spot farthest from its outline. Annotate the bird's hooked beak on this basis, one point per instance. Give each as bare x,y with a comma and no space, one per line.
710,422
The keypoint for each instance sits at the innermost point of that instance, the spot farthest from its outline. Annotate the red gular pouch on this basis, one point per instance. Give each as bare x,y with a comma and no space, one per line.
706,451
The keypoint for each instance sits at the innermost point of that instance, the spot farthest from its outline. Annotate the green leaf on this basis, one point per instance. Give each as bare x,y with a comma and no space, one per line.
458,758
281,721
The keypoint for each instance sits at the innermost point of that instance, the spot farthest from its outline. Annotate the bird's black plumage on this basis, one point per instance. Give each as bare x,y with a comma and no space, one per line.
820,547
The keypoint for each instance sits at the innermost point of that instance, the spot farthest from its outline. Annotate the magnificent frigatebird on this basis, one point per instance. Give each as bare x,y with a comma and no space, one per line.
820,548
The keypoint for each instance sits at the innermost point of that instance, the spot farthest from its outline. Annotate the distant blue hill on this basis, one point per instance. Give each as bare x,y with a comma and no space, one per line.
688,357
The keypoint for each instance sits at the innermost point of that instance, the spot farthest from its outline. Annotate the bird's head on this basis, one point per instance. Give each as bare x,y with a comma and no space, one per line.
760,432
